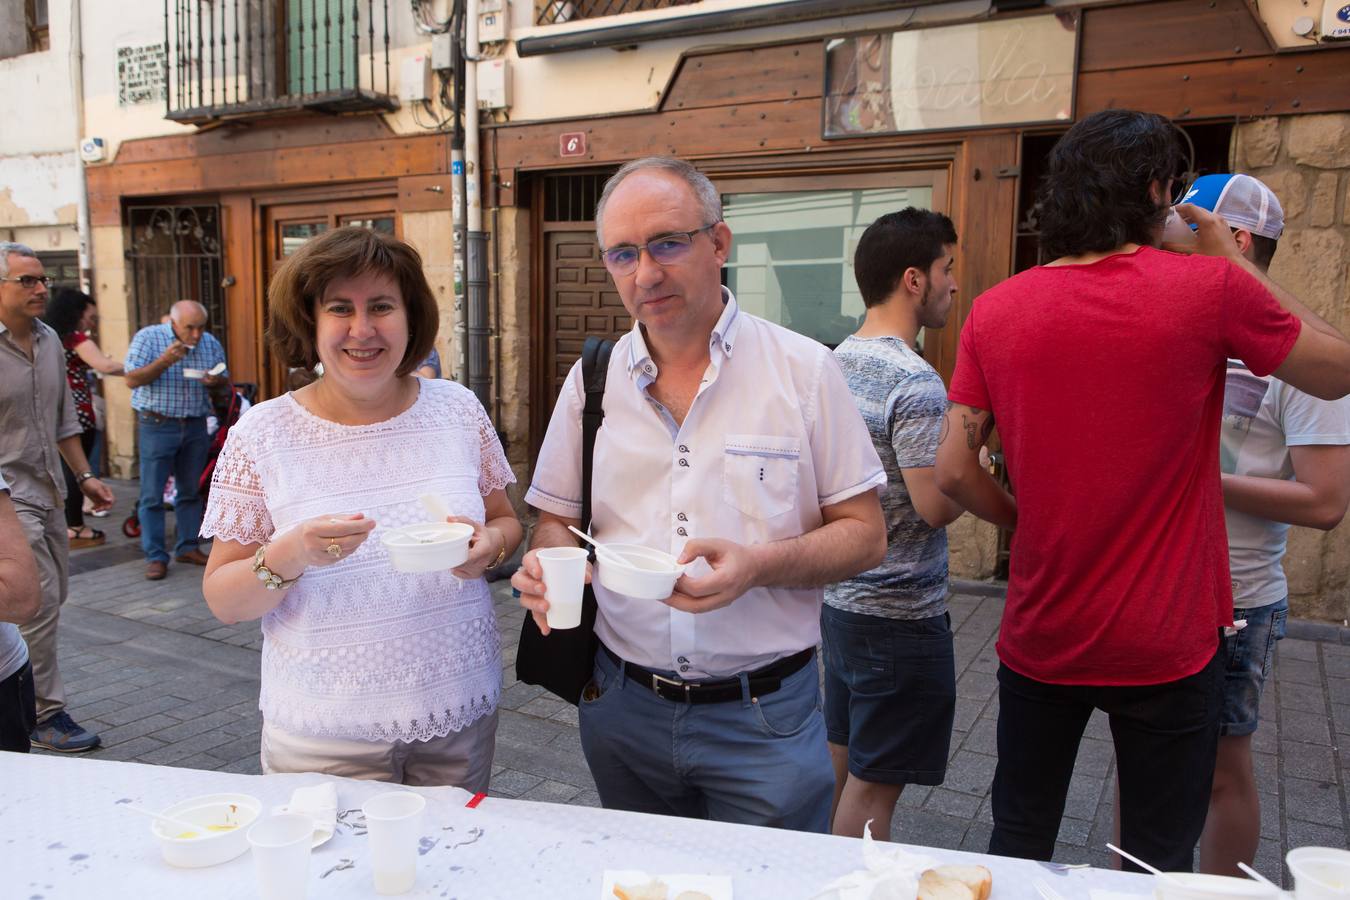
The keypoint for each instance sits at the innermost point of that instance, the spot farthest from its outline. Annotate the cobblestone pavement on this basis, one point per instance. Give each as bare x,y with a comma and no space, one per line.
163,682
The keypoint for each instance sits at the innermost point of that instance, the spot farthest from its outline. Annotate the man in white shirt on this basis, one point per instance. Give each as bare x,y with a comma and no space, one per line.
1285,457
729,439
20,600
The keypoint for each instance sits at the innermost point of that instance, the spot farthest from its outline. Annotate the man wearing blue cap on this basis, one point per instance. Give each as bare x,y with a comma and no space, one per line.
1285,458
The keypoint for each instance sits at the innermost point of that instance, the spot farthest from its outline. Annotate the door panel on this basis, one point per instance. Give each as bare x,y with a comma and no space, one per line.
581,301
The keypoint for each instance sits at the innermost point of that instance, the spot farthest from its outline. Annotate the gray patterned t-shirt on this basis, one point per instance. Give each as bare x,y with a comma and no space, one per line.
903,401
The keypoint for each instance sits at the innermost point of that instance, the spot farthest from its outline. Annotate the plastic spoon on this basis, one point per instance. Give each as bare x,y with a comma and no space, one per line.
189,826
1258,876
585,537
435,507
1145,866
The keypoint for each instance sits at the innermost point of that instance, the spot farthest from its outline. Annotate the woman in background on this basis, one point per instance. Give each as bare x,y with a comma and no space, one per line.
72,315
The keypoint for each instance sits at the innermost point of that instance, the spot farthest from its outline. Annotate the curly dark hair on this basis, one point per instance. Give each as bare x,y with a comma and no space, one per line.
64,309
895,242
1095,196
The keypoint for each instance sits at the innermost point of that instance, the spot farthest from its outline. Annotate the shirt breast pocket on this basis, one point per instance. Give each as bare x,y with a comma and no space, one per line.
759,474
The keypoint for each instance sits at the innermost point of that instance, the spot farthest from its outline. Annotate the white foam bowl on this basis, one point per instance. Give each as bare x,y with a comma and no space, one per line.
429,546
1320,873
208,848
637,571
1193,886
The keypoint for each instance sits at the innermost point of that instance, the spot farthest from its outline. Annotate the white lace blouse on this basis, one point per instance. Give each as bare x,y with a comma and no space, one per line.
356,649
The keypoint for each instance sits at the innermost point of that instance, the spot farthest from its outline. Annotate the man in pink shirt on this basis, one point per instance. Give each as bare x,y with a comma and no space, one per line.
734,442
1104,370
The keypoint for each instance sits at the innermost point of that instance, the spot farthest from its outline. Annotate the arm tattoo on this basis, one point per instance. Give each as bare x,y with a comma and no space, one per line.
977,432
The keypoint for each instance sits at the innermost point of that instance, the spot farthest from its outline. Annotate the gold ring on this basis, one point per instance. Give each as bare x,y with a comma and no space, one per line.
334,550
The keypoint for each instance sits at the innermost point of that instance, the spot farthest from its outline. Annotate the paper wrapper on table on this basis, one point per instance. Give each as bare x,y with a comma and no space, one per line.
319,802
890,873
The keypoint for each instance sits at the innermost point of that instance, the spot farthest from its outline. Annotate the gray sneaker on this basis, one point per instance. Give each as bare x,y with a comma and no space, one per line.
60,733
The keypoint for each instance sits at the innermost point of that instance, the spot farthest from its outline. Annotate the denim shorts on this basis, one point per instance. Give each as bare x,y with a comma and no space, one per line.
1247,657
890,694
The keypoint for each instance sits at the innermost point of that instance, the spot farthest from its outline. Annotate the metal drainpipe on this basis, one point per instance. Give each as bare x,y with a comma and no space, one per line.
476,330
77,105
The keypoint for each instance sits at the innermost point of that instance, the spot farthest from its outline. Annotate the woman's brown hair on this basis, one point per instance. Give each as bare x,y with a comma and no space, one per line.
347,252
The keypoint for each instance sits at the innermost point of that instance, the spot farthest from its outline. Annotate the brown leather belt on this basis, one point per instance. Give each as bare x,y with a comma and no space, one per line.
763,681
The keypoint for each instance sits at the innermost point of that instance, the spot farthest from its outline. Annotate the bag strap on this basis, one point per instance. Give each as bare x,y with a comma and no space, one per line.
594,367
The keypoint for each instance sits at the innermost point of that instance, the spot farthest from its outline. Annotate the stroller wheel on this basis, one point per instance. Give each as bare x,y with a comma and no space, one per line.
132,527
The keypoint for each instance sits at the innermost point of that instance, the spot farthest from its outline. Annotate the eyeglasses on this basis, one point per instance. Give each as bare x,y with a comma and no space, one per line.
665,249
28,282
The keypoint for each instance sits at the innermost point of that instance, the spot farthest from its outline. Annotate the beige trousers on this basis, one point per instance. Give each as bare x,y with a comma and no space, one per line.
46,533
461,758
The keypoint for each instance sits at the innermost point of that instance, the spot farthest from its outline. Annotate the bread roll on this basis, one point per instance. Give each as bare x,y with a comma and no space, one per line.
977,880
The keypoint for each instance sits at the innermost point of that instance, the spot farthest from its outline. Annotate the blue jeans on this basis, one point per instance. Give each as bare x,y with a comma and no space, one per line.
1247,655
177,447
755,761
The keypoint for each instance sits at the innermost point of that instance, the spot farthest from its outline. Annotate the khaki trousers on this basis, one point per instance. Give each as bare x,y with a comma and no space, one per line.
46,533
461,758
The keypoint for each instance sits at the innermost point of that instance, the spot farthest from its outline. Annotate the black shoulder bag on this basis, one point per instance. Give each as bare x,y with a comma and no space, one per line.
562,662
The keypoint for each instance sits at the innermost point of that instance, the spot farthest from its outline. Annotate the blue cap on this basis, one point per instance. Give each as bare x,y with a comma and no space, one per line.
1240,200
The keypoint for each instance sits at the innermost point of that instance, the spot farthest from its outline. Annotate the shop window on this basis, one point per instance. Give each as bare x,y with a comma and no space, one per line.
23,27
792,253
63,268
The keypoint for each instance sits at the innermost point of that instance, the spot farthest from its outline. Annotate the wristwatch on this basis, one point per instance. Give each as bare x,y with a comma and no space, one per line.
271,580
83,477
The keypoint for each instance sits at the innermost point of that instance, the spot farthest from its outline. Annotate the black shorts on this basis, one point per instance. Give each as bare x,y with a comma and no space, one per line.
18,714
890,694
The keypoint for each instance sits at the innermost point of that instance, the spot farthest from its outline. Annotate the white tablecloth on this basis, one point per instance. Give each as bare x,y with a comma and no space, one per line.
64,834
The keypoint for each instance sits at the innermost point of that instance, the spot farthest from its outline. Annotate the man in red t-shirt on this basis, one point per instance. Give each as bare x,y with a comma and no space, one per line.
1104,370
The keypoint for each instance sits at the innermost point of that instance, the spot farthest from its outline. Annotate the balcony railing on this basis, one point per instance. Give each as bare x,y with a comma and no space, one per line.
553,12
239,58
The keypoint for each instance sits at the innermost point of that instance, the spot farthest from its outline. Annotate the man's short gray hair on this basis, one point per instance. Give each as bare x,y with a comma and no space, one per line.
8,247
709,200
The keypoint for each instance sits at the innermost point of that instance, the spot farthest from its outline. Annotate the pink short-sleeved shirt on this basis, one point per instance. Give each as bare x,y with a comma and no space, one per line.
772,436
357,649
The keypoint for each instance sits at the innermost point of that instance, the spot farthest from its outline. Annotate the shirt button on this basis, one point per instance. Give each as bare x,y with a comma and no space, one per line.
682,517
728,346
681,532
684,449
649,370
684,463
684,668
683,659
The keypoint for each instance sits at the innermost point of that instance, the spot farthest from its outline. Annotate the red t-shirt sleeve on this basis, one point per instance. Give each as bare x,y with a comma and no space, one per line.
968,384
74,339
1256,328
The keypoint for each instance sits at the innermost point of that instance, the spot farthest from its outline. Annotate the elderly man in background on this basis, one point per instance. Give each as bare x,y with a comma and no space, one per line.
38,428
170,368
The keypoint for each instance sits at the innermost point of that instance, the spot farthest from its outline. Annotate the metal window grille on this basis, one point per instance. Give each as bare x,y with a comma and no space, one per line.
228,58
552,12
175,255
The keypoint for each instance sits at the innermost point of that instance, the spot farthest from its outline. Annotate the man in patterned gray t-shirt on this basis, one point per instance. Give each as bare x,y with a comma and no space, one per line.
890,672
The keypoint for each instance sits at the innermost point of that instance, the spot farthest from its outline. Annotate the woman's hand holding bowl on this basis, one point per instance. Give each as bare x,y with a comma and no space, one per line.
484,547
320,541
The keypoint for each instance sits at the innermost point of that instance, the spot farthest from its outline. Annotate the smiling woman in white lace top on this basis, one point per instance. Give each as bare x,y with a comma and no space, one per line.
366,672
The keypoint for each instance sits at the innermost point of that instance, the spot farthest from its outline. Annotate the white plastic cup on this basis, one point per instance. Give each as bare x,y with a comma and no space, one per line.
394,829
564,581
1320,873
281,846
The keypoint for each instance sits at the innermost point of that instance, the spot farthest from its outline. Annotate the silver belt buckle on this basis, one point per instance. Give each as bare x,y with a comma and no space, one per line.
658,680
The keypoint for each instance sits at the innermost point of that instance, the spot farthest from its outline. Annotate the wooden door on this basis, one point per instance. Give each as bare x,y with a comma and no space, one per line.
287,226
579,300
